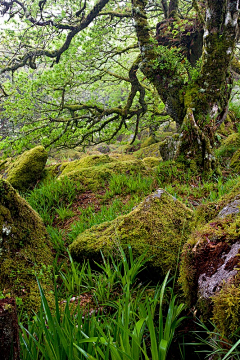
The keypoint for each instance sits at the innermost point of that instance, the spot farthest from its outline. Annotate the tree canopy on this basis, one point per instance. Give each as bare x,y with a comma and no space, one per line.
80,72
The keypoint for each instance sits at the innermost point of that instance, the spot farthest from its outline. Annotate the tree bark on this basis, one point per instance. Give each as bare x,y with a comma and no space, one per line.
201,105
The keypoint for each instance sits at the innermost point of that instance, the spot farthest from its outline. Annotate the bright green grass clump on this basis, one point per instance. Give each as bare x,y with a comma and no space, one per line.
121,184
49,198
141,325
89,217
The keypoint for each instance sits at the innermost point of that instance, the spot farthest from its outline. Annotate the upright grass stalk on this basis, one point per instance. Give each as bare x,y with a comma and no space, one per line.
70,334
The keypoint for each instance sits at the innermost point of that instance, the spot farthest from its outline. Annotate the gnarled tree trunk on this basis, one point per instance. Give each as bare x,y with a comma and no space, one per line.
199,106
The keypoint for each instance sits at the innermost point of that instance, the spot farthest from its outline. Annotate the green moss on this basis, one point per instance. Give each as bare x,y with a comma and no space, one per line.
226,308
147,142
204,253
24,249
95,177
229,146
151,161
235,162
228,126
149,151
86,162
27,168
160,224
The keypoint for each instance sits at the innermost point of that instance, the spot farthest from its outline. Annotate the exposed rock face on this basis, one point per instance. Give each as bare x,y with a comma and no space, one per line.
160,225
24,248
231,208
209,271
168,147
24,172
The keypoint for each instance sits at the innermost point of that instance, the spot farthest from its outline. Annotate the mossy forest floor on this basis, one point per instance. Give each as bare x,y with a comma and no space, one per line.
68,207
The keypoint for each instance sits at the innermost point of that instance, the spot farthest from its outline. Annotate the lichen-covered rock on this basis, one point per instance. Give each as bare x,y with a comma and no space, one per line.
26,170
149,151
168,147
160,225
235,162
24,248
209,271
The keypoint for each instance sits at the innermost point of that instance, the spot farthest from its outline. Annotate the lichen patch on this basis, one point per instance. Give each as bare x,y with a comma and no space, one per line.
220,267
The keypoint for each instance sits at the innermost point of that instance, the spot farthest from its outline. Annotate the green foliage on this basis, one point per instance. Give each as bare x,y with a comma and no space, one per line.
215,345
72,334
89,217
226,309
121,184
52,197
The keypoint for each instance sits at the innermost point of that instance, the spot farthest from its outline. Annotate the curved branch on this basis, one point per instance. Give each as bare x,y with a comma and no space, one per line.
27,58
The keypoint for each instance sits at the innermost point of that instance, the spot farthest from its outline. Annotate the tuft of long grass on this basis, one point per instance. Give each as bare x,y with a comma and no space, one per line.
121,184
50,197
69,333
89,217
215,346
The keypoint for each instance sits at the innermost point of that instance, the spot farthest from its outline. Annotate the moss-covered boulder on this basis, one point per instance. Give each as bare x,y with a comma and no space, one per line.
160,224
206,212
24,249
151,161
149,151
86,162
148,141
209,271
228,147
26,170
235,162
94,171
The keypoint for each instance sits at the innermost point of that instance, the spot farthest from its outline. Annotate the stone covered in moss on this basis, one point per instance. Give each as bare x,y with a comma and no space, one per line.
149,151
151,161
235,162
209,271
160,225
229,146
86,162
209,211
147,142
24,248
27,168
95,176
